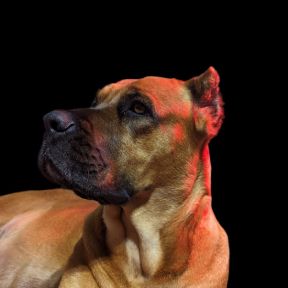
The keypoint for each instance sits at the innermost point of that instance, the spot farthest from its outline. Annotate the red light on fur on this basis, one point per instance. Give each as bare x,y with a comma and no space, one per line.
178,133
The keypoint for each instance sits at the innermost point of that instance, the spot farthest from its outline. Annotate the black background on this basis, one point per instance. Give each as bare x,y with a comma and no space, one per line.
41,74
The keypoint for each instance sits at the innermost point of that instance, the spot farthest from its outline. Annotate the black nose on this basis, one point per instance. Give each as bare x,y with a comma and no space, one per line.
59,121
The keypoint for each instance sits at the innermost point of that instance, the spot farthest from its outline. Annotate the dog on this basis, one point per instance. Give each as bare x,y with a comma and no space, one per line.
139,160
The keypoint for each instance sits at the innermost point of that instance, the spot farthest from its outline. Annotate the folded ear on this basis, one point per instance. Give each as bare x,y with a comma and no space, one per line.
208,105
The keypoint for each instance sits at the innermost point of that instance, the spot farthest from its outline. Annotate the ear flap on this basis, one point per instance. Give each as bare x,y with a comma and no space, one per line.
207,100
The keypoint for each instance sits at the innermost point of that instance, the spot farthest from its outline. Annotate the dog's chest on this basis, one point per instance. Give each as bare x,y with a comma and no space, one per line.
132,263
142,259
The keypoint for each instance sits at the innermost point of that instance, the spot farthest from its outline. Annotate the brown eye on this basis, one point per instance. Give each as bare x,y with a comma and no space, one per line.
138,108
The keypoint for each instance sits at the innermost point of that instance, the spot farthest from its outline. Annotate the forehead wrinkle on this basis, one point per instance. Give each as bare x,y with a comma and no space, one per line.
112,93
113,90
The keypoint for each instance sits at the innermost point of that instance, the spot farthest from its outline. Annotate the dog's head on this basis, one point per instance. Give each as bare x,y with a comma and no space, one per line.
137,135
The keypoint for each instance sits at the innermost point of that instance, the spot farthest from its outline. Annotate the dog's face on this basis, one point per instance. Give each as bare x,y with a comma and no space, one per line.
137,135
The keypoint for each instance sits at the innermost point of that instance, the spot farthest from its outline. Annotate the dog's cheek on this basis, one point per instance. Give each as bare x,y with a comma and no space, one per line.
108,182
131,163
139,159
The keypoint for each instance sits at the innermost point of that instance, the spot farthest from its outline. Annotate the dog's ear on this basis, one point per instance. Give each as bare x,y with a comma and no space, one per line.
207,102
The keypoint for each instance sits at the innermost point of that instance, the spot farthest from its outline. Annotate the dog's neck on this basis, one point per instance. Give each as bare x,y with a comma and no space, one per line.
150,228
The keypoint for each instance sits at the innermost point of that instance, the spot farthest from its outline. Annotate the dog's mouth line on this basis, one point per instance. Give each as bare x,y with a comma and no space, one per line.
51,171
95,166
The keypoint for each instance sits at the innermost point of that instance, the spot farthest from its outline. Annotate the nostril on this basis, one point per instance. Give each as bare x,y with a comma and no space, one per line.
59,126
54,125
59,121
68,126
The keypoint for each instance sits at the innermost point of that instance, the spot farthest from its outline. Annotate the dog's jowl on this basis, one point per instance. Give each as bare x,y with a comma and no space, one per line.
139,160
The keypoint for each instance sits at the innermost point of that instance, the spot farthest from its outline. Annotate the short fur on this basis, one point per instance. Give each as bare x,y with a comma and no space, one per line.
141,151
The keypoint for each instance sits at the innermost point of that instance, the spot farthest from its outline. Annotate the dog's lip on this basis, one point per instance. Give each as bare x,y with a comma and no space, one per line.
56,175
51,171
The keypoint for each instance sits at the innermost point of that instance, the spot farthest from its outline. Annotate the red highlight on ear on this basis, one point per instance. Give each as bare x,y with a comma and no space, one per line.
206,96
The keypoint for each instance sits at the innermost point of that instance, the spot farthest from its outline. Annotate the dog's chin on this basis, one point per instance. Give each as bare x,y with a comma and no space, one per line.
106,197
84,188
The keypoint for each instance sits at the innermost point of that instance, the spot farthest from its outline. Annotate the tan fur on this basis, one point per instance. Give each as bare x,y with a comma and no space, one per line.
165,236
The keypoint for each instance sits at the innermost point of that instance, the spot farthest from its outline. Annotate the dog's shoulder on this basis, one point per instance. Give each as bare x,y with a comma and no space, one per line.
17,203
38,232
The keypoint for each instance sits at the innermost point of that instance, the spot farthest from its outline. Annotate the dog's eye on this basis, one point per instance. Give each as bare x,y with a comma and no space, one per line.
138,108
135,108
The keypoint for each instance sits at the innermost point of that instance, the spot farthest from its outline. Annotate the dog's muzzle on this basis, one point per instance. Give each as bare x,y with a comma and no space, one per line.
69,157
